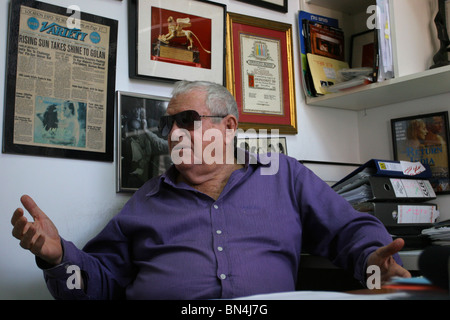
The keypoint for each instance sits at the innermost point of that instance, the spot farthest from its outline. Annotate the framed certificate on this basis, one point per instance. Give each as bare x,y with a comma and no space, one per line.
260,72
172,40
60,82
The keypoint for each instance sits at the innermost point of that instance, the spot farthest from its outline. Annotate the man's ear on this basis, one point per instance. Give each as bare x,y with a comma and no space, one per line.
231,125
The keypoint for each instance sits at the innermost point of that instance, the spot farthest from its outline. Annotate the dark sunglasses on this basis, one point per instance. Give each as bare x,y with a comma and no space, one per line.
184,120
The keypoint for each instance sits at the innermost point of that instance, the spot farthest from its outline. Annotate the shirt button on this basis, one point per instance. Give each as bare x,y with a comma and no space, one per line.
216,206
220,248
223,276
219,231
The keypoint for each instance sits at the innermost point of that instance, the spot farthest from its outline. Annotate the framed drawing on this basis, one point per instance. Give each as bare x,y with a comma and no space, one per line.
141,151
260,73
172,40
60,82
263,145
277,5
424,138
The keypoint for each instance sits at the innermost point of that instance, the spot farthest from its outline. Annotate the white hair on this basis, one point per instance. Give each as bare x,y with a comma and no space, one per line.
218,99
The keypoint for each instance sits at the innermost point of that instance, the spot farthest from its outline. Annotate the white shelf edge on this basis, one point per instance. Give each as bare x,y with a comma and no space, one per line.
414,86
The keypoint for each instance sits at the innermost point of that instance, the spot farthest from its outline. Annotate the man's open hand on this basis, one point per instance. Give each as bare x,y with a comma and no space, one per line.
389,268
41,236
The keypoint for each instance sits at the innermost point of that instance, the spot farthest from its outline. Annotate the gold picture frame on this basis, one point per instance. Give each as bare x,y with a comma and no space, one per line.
260,72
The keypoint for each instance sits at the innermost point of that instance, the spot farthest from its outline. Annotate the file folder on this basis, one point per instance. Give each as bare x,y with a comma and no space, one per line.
396,214
385,188
383,168
390,189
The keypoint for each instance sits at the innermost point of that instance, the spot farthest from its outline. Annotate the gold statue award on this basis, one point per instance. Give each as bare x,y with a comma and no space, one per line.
176,31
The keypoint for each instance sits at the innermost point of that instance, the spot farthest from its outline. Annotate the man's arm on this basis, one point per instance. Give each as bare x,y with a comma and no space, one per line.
105,270
383,258
334,229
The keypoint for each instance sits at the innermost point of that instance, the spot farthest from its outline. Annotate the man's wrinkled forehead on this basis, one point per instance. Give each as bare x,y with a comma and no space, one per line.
191,100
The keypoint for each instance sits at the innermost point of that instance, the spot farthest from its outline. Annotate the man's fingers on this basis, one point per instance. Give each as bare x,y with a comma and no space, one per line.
391,249
18,213
27,239
32,207
20,227
402,272
37,245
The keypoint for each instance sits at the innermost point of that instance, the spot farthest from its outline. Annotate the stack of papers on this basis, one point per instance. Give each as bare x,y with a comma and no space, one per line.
439,234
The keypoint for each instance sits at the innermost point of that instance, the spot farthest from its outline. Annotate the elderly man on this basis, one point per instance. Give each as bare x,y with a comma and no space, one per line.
203,230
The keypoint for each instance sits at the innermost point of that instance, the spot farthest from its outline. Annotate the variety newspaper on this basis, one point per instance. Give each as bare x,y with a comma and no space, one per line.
61,85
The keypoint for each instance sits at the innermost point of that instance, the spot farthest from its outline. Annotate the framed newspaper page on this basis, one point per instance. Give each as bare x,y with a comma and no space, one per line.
425,138
260,72
142,153
60,82
172,40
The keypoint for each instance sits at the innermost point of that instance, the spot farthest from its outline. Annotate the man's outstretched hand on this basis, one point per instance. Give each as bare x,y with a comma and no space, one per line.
389,268
40,236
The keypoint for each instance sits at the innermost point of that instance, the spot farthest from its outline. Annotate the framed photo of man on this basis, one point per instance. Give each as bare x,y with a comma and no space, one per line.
424,138
142,153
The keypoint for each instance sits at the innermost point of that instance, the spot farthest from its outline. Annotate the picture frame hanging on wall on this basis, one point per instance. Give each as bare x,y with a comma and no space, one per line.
260,73
142,153
172,40
276,5
263,145
425,138
60,82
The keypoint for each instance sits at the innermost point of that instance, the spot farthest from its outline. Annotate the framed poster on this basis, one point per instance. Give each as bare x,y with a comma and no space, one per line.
424,138
260,73
172,40
277,5
263,145
60,82
142,153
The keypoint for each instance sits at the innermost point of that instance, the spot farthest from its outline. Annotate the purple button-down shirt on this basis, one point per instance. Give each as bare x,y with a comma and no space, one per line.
171,241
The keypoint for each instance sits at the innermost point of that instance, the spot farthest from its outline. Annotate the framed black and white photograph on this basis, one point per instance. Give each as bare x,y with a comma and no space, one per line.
276,5
60,82
263,145
142,153
172,40
424,138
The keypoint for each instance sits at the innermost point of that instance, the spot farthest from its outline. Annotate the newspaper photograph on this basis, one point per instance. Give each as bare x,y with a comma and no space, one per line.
61,82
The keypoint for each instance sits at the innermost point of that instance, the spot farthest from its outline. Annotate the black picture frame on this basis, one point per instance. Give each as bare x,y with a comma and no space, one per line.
142,153
424,138
151,58
363,48
263,145
269,5
25,131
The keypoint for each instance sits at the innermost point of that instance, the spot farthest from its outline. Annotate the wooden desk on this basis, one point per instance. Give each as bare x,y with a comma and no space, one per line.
410,259
318,273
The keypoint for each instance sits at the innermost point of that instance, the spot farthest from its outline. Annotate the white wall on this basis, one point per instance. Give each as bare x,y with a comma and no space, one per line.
80,195
376,138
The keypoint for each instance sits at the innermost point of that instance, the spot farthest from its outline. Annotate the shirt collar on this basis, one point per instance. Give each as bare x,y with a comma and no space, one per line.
170,176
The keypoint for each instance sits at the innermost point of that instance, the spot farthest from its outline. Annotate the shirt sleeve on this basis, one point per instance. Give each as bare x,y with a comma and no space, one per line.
104,266
334,229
